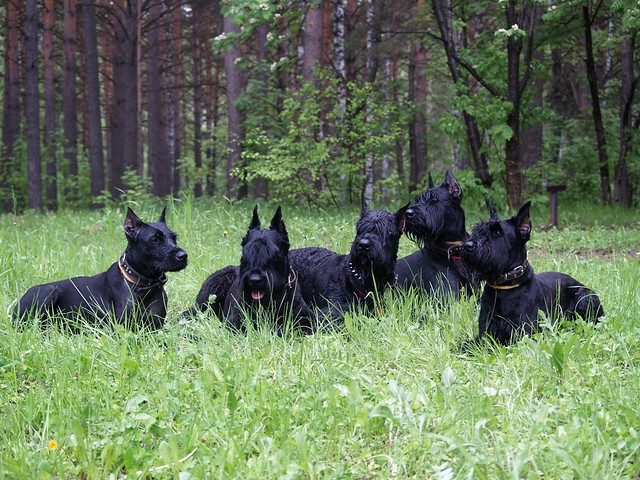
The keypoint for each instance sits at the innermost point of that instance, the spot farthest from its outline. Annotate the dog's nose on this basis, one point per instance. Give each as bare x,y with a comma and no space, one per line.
470,245
364,244
181,256
254,280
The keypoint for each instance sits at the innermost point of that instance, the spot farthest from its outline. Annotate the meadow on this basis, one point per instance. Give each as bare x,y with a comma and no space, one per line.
390,396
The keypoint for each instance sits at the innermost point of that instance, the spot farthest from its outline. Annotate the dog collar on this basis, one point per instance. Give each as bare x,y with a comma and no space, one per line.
136,279
292,278
352,277
453,248
511,275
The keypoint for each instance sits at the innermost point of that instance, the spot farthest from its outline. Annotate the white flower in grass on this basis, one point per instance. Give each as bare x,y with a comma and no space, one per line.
490,391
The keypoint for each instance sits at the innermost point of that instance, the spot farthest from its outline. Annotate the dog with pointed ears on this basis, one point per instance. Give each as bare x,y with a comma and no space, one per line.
513,294
131,291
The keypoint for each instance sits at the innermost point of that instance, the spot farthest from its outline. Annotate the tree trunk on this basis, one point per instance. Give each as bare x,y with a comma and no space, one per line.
623,189
595,106
312,41
158,147
417,96
197,108
124,110
11,113
48,65
236,84
94,120
174,77
443,12
69,99
32,108
513,153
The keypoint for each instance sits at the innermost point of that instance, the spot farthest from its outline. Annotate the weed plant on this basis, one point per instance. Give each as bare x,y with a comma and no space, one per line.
390,396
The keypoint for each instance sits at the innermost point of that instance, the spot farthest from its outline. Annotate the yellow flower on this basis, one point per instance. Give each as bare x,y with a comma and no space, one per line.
53,445
225,233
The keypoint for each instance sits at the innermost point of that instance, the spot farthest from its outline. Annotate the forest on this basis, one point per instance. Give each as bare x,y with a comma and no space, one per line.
317,102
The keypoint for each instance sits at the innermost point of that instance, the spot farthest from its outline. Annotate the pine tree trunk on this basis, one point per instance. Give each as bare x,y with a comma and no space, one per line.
32,107
94,120
48,65
69,99
623,189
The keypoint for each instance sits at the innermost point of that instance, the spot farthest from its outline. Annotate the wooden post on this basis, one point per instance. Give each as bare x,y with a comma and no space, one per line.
553,202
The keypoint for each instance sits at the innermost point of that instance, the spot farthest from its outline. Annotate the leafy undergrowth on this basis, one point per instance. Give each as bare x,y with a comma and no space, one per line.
390,396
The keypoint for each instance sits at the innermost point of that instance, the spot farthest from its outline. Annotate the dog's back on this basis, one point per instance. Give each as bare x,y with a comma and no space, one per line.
574,298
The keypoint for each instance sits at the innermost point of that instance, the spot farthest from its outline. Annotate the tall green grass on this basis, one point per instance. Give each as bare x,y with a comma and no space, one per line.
390,396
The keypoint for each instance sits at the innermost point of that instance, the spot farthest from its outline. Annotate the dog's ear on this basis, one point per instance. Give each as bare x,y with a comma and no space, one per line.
255,220
523,221
452,185
401,218
364,208
162,215
431,184
132,224
277,223
492,209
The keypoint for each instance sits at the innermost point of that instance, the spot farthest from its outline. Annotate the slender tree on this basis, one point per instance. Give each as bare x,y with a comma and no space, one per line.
32,108
11,109
94,123
69,97
48,66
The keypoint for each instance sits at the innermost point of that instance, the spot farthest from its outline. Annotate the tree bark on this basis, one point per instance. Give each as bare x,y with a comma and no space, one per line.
94,119
197,107
174,77
158,147
417,96
603,160
236,85
69,98
32,99
11,112
48,65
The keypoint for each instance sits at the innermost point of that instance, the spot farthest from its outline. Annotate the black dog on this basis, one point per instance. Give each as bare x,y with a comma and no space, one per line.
435,221
513,294
335,283
131,289
264,281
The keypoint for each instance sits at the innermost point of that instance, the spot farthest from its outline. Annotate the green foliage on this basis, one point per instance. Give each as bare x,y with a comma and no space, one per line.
390,397
314,142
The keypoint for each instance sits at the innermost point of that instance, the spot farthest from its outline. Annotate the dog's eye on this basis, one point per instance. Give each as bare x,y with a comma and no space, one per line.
157,238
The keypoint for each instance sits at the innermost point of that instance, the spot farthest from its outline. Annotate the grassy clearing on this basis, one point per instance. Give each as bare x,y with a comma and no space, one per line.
389,397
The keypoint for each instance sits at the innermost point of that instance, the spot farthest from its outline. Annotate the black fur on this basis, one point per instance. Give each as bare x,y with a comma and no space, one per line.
513,294
334,283
435,221
263,283
131,289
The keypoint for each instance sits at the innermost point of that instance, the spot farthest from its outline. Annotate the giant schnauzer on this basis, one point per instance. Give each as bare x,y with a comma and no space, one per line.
264,284
435,221
132,289
513,294
334,283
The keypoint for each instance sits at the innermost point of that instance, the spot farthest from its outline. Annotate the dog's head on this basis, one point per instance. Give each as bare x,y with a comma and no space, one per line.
152,247
378,233
264,266
436,213
496,246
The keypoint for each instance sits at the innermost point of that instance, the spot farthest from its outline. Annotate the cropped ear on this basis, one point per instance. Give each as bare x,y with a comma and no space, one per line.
365,207
431,184
255,220
523,221
162,215
401,217
277,223
492,209
452,185
132,224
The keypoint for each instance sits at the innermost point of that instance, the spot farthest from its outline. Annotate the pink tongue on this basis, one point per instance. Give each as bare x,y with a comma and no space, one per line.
257,294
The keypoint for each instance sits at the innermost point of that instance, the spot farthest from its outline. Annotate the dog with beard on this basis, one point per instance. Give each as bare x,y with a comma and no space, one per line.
264,286
436,222
513,294
334,284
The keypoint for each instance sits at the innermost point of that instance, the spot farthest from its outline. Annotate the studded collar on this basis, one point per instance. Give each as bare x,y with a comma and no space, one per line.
504,281
137,280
